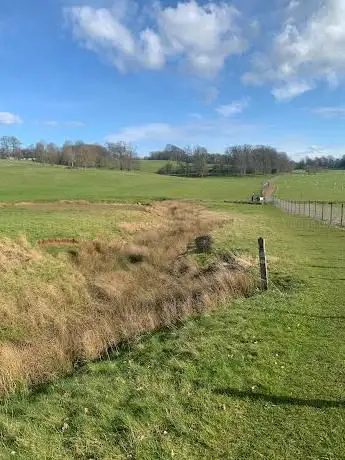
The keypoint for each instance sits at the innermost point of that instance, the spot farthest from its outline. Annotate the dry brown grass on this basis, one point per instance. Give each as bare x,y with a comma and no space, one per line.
59,311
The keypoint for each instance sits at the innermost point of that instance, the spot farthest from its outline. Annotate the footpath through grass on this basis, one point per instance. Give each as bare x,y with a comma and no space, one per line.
261,378
22,181
322,186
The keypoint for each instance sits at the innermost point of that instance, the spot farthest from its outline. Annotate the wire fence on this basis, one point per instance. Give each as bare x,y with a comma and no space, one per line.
329,212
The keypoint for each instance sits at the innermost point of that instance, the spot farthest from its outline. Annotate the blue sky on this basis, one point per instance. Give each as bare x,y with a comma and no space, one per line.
192,72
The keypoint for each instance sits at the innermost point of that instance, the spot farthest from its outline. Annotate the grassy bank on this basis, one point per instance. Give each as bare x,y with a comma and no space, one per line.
71,220
22,181
151,166
60,310
322,186
261,378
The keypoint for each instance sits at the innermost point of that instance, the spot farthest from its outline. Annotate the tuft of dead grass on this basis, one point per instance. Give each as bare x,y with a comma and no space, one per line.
59,311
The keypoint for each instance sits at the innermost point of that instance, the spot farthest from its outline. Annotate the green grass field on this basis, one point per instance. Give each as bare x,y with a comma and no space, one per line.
261,378
151,166
32,182
322,186
48,221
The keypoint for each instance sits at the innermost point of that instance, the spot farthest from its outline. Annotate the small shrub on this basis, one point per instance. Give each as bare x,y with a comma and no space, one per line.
203,243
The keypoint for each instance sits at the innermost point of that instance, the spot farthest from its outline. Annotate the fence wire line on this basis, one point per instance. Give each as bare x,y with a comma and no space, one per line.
331,213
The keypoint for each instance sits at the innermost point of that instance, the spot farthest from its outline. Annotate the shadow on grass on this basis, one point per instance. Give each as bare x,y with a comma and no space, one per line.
332,267
280,400
292,313
326,279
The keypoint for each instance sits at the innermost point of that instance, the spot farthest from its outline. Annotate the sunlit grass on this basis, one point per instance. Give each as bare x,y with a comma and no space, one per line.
22,181
261,378
322,186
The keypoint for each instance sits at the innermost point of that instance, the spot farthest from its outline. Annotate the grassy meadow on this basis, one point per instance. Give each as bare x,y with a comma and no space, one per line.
203,365
38,221
151,166
321,186
22,181
259,378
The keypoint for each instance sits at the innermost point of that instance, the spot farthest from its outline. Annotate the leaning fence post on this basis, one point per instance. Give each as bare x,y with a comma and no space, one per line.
331,214
263,265
342,215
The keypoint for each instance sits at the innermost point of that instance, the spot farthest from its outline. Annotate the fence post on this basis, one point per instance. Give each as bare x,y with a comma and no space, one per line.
331,214
309,209
299,208
315,209
342,215
263,265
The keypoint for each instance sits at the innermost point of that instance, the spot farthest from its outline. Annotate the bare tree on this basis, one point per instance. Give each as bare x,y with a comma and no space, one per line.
10,147
200,160
40,152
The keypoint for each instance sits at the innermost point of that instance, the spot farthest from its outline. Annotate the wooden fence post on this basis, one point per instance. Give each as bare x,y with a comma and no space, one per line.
331,214
309,209
263,265
342,215
323,210
315,209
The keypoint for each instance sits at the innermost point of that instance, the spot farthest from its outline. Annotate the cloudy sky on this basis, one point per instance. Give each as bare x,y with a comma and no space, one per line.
188,72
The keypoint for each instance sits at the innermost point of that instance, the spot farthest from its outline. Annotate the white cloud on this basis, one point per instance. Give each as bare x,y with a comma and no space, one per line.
7,118
51,123
234,108
308,49
150,131
330,112
293,4
198,131
203,36
291,90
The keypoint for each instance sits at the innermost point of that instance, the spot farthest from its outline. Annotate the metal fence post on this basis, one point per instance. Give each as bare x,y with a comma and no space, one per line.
315,209
309,208
322,211
342,215
331,214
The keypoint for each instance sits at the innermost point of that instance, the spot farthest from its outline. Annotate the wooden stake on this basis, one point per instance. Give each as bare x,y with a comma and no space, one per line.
263,265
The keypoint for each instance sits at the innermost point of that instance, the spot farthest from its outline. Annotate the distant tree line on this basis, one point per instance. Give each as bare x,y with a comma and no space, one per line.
117,155
323,162
238,160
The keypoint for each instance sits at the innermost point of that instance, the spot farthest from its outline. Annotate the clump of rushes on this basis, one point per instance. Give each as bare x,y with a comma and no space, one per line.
59,311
